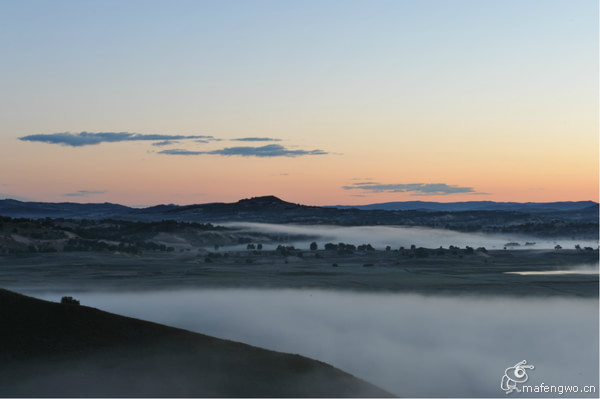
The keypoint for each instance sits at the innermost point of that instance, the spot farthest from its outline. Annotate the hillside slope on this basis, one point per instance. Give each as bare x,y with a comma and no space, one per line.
51,349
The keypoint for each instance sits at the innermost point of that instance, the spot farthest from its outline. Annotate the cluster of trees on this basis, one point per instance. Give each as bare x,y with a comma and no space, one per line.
79,244
550,228
413,251
69,300
39,229
120,230
578,247
287,250
92,235
341,248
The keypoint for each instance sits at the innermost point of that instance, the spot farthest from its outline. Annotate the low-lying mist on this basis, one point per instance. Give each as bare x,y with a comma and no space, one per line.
577,269
410,345
397,236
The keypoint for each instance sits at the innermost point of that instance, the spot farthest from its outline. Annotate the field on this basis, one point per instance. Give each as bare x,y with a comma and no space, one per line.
378,270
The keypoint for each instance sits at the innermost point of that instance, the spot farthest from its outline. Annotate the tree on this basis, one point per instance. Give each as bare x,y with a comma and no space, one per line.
313,246
69,300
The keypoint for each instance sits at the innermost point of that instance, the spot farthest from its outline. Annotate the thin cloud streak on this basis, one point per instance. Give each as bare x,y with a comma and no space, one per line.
88,138
416,189
256,139
165,142
271,150
85,193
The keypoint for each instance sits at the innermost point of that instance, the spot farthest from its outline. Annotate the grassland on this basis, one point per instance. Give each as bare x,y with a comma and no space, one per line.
65,350
478,273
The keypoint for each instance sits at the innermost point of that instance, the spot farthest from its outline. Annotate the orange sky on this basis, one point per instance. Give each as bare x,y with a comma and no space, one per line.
356,102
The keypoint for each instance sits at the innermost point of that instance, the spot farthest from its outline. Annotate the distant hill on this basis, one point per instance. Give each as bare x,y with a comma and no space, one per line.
475,206
65,350
72,210
269,204
551,218
34,210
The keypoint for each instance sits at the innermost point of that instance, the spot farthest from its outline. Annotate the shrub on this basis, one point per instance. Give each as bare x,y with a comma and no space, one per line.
69,300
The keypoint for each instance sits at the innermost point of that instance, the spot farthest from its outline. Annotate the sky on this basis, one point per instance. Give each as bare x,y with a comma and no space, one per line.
317,102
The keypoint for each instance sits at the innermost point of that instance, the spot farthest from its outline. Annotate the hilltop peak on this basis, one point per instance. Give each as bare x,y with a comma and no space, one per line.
267,203
264,200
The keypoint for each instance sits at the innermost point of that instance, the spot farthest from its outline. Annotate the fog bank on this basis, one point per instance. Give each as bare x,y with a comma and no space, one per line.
580,269
411,345
397,236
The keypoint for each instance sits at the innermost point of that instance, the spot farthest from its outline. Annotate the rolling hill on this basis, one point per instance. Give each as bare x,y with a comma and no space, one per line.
66,350
553,218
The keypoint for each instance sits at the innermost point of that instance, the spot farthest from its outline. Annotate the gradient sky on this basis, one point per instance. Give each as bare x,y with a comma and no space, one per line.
318,102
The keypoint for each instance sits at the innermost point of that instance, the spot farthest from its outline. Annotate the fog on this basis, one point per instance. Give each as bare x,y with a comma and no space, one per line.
410,345
397,236
580,269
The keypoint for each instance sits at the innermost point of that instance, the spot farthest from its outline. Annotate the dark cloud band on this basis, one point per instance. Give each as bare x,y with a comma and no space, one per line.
271,150
84,193
256,139
415,189
87,138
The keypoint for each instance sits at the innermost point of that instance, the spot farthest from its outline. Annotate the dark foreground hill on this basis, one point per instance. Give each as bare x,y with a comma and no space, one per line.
49,349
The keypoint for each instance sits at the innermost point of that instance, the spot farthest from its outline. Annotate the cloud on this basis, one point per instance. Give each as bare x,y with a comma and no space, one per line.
84,193
416,189
255,139
271,150
181,152
166,142
88,138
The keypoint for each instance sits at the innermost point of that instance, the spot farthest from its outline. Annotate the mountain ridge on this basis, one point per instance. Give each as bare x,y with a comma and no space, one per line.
472,205
554,218
270,201
544,219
